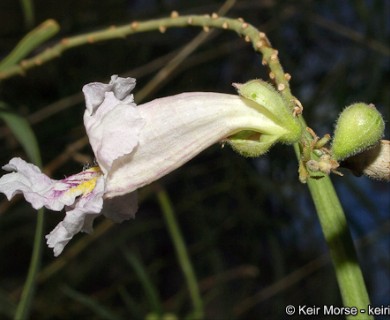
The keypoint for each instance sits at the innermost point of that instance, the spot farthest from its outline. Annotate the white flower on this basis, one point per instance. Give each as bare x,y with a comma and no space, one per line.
134,146
81,195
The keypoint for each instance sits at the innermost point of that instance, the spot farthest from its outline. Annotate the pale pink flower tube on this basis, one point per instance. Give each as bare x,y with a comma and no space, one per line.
136,145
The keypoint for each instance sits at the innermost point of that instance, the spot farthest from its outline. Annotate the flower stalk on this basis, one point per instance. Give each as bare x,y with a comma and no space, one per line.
342,251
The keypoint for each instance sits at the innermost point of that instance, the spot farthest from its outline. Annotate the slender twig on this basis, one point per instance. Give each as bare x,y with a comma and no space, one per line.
24,306
28,12
183,54
26,300
351,34
181,252
302,273
30,41
258,39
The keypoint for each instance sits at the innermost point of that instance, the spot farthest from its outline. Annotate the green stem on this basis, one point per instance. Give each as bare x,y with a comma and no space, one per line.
24,306
30,41
28,12
182,254
342,251
258,39
27,139
147,284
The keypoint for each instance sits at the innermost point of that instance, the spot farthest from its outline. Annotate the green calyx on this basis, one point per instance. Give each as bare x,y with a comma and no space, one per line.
273,105
358,127
251,144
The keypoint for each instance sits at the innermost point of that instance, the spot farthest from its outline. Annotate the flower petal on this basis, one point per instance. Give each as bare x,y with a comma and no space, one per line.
80,218
122,87
113,122
27,179
94,92
40,190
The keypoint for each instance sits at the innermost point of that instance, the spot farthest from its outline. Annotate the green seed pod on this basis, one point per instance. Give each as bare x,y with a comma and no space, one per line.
358,127
273,105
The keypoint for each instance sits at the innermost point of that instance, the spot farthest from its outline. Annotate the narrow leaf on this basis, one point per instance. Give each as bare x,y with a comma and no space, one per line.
22,132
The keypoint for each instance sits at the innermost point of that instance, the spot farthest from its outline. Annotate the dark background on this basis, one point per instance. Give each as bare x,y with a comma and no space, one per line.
249,225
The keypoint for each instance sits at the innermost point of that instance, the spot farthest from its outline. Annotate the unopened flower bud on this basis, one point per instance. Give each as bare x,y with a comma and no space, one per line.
358,127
